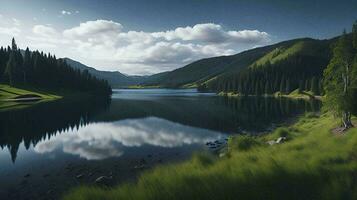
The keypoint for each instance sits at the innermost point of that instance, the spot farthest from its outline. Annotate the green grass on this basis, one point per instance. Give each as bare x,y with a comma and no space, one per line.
296,95
142,87
312,164
7,93
280,53
293,95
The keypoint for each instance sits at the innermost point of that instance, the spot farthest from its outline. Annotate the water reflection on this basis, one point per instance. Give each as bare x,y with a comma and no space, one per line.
97,128
41,121
103,140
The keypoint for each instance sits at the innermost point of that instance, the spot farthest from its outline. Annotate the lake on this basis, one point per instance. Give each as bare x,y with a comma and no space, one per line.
50,147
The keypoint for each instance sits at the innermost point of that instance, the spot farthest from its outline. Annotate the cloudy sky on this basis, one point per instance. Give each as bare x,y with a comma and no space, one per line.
138,37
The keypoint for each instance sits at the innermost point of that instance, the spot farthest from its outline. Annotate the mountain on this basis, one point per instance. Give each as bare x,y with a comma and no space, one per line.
115,78
209,69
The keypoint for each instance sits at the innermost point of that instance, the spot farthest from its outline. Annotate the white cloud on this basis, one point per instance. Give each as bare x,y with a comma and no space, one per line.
16,22
43,30
249,36
104,140
91,30
64,12
13,31
106,45
213,33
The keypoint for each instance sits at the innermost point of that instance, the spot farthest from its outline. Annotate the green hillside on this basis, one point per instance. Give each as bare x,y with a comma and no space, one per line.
287,66
202,69
207,70
308,47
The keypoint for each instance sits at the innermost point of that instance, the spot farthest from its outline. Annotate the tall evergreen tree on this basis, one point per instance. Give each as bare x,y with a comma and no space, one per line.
282,85
27,68
11,65
45,71
314,86
287,86
338,78
301,86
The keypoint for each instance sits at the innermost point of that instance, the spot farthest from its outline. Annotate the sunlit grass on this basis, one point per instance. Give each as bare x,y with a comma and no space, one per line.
7,93
312,164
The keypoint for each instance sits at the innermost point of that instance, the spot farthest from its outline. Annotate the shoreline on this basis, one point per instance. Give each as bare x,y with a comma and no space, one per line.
249,154
291,96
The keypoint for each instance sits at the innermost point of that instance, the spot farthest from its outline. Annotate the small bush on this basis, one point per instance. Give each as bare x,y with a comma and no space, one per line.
283,132
203,159
243,142
311,115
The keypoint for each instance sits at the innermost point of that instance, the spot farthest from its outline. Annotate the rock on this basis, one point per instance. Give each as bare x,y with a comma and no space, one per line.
139,166
79,176
103,180
222,155
271,142
281,140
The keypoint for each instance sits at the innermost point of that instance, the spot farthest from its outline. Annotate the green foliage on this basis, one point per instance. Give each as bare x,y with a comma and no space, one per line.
284,69
340,78
314,165
314,86
243,142
301,86
279,54
202,159
282,132
45,71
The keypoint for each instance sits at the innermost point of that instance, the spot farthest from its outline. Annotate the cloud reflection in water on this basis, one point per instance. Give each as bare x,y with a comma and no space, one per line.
108,139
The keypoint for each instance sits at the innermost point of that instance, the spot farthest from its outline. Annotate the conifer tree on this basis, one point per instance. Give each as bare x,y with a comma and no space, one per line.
314,86
338,80
10,71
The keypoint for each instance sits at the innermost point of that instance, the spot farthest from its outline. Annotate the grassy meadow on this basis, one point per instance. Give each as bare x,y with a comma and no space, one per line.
8,93
313,163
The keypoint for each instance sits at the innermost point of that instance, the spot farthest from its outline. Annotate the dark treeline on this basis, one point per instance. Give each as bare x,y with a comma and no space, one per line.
301,72
18,68
260,114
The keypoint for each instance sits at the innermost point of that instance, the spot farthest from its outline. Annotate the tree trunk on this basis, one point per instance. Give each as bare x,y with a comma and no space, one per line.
346,120
346,116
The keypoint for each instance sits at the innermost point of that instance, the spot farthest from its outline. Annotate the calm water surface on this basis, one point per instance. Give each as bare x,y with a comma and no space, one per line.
50,147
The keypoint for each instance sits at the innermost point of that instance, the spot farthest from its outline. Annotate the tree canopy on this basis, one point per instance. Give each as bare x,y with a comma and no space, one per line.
340,77
18,67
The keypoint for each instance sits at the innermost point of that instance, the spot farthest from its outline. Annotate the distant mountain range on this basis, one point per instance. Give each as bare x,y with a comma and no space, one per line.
115,78
206,70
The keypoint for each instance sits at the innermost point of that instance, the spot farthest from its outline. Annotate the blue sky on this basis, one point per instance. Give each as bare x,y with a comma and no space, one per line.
145,37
